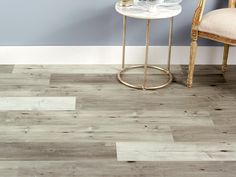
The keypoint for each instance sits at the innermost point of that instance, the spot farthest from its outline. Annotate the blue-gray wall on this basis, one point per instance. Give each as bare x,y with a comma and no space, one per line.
85,22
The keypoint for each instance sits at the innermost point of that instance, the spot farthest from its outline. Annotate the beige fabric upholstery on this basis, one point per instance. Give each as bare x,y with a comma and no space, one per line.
221,22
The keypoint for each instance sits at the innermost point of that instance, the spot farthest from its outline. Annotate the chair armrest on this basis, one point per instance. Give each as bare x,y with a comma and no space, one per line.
197,18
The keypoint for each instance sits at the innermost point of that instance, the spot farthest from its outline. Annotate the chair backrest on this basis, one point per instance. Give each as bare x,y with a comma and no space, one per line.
232,3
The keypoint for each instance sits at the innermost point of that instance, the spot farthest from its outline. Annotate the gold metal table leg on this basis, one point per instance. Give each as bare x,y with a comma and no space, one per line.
170,41
119,76
124,41
147,53
144,86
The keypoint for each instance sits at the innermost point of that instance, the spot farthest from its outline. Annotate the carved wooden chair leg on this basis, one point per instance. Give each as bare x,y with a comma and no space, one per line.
192,63
225,58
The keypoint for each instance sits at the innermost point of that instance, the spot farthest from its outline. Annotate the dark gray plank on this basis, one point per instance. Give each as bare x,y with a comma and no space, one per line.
56,151
204,134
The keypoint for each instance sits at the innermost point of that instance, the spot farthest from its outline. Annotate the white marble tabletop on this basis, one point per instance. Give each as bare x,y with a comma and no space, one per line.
142,12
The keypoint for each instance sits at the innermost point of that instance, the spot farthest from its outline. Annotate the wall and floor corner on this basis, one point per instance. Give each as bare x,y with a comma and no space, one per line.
84,32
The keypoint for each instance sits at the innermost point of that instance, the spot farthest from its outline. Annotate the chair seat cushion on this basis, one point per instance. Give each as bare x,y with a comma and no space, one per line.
220,22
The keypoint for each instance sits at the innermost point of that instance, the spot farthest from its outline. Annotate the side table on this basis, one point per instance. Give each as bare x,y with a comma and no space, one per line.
139,12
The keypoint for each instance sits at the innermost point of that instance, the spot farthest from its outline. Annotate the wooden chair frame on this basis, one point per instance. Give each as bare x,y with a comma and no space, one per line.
195,34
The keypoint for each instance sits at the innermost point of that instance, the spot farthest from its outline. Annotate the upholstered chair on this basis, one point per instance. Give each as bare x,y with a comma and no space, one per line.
218,25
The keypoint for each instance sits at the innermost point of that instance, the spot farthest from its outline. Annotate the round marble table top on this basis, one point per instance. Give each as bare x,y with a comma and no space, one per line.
142,12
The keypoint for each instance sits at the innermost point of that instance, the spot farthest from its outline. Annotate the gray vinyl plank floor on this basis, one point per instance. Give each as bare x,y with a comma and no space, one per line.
72,120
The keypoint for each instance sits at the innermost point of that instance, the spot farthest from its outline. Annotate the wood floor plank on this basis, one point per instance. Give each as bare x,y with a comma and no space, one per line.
207,93
198,168
230,74
112,168
123,102
116,119
6,68
24,79
85,168
203,69
56,151
74,79
86,134
224,117
152,151
9,172
108,79
66,69
37,103
204,134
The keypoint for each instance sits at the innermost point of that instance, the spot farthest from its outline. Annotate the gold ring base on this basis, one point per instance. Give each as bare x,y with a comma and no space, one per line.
142,87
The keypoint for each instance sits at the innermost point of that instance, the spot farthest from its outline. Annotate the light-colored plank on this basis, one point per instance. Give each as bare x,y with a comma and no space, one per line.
66,69
112,168
152,151
56,133
37,103
104,119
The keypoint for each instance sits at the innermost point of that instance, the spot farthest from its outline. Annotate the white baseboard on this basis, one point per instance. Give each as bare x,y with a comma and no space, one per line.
107,55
